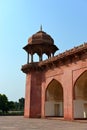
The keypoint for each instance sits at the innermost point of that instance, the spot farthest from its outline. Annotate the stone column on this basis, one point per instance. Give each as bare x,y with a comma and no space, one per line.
27,58
43,100
68,95
49,56
52,54
40,57
31,58
27,96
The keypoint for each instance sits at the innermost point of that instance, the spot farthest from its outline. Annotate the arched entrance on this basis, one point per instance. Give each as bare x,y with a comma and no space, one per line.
54,99
80,96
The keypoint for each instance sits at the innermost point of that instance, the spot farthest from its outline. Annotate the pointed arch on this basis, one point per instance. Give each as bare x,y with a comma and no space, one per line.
55,89
82,77
54,99
45,57
35,57
80,96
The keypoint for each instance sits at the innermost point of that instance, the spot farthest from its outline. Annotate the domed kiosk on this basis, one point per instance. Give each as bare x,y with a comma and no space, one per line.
40,43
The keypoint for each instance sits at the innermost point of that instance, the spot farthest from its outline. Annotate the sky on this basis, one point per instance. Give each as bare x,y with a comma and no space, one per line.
64,20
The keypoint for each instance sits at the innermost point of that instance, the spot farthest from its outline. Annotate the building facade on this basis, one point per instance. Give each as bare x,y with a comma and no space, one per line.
57,86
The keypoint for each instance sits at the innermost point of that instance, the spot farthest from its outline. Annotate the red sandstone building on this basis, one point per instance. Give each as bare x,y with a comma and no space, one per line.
57,86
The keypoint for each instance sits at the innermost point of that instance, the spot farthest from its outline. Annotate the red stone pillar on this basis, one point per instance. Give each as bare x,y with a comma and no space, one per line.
68,95
35,94
27,96
27,58
43,100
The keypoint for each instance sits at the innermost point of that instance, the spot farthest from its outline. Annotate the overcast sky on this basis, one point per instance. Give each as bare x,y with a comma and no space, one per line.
64,20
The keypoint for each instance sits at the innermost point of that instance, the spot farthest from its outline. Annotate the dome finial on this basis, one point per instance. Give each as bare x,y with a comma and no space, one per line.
41,27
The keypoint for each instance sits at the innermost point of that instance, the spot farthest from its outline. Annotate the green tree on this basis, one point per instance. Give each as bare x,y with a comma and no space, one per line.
16,104
4,103
11,105
21,103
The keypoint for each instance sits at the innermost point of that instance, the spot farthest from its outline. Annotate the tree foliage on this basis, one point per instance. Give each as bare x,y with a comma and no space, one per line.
6,105
21,103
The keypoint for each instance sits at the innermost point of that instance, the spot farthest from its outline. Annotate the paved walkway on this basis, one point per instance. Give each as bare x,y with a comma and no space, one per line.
21,123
